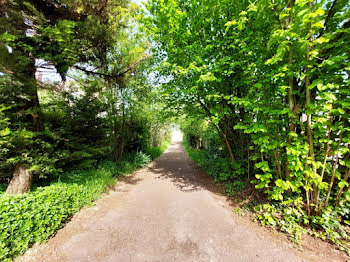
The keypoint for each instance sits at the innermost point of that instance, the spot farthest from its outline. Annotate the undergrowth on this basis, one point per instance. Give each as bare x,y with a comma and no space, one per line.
156,151
2,188
288,216
220,168
33,217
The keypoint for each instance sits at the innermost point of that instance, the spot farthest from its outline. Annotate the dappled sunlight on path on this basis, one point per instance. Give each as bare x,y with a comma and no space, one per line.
169,211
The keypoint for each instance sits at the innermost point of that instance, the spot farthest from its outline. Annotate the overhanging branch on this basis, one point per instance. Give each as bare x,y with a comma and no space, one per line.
116,76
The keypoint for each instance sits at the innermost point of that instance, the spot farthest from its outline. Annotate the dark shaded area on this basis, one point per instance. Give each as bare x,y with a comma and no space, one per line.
130,179
176,166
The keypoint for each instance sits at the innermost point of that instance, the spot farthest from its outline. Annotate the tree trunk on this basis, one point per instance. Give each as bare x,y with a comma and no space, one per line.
340,191
291,102
36,115
32,103
121,149
310,136
21,181
115,141
334,170
228,146
324,163
220,130
123,133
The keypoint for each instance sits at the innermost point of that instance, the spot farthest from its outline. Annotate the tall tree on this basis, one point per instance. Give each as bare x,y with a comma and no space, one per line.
61,34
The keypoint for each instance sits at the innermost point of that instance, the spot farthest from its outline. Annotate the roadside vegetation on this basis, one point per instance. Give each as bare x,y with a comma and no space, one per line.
90,89
76,110
264,88
287,216
33,217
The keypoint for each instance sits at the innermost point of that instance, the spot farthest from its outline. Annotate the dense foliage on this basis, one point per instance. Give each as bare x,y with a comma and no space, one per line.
73,86
76,109
34,217
263,86
271,78
218,166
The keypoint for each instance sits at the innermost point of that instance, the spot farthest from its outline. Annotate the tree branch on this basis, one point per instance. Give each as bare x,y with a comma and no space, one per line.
116,76
330,14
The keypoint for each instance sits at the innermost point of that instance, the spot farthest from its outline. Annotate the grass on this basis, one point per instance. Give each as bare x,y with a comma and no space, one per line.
33,217
156,151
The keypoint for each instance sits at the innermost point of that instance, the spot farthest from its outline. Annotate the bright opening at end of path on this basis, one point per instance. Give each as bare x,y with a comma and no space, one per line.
176,135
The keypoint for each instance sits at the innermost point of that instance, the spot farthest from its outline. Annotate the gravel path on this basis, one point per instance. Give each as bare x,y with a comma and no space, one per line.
168,211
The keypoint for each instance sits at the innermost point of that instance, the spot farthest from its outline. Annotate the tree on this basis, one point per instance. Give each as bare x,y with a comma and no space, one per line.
55,32
272,78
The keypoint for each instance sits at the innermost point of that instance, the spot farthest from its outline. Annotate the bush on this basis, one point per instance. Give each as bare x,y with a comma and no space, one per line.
153,152
156,151
32,218
222,169
130,162
142,159
288,215
2,188
290,218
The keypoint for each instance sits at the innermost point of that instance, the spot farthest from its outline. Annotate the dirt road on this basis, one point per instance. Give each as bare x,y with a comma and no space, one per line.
166,212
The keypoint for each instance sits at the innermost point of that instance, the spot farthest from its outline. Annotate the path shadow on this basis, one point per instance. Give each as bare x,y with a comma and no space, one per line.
129,179
176,166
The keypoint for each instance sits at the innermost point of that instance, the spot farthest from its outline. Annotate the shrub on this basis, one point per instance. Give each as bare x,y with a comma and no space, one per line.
153,152
222,169
33,217
156,151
